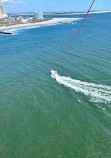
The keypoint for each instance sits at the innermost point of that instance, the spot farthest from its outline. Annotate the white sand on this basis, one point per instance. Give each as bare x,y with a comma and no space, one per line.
109,11
92,12
51,21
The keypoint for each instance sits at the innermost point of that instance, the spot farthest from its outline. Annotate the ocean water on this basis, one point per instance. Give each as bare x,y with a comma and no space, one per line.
66,117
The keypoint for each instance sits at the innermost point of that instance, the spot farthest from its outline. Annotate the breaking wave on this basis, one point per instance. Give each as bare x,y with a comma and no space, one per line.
16,30
96,92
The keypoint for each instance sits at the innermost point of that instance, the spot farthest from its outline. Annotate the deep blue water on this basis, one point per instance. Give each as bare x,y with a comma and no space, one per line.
67,117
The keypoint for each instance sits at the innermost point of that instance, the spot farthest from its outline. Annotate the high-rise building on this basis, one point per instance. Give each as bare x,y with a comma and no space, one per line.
38,15
2,11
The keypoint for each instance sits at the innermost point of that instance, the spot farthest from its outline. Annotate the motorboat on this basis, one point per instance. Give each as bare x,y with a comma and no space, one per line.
54,74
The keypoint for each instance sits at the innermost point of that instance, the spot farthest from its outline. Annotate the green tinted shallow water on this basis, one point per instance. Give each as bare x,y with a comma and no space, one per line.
44,118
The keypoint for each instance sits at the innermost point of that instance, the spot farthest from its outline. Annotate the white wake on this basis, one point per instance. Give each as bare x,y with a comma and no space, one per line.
96,92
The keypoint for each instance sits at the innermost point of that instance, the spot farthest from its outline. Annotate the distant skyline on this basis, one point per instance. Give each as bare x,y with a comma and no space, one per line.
58,5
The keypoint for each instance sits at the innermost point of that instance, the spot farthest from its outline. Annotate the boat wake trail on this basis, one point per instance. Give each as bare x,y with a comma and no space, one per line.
96,92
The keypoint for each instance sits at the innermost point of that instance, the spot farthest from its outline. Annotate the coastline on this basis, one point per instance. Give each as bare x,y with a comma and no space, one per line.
97,12
79,13
51,21
63,13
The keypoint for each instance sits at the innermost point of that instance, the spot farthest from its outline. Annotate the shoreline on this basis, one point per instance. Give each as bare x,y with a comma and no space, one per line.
51,21
63,13
95,12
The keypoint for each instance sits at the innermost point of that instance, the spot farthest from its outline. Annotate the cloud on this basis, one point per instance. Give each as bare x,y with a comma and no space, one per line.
20,6
9,2
6,1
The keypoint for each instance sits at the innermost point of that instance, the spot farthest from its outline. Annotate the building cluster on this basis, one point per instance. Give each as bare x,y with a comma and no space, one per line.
4,17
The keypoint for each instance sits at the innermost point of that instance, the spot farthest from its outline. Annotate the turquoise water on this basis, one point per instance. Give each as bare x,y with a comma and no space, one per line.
69,117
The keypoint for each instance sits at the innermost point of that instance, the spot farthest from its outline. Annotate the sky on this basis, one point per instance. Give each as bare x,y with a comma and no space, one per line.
54,5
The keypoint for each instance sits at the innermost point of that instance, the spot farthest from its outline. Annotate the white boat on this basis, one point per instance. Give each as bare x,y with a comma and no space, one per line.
54,74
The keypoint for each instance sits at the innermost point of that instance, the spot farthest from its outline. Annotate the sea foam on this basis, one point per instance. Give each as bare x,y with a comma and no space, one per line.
96,92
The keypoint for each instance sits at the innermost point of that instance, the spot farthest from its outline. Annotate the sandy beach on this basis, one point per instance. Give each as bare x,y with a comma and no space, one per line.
52,21
92,12
97,12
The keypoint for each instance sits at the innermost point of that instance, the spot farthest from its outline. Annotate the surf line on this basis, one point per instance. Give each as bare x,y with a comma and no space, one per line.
55,72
